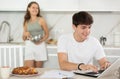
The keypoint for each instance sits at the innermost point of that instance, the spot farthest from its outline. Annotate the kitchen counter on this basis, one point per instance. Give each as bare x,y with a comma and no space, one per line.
42,72
111,47
49,46
12,43
23,44
52,46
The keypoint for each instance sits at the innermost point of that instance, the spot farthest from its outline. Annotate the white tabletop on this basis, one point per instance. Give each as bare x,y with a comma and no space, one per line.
42,70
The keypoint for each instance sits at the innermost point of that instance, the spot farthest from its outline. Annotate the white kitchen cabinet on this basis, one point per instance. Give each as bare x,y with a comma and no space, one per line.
11,54
52,61
62,5
99,5
45,5
59,5
112,53
13,5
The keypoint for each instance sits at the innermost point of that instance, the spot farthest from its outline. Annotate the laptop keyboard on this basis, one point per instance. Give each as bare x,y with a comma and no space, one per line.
99,72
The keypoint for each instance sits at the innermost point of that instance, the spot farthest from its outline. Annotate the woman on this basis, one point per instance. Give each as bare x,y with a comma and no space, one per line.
35,33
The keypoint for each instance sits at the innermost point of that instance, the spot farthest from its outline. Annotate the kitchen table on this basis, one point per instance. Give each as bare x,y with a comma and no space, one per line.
42,70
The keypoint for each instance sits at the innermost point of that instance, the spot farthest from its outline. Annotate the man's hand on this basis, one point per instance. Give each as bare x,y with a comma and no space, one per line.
89,67
105,65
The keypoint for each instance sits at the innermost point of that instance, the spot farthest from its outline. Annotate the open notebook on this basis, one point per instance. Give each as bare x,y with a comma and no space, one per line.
112,72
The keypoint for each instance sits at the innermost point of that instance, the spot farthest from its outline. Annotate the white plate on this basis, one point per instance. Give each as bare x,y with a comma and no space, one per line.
32,75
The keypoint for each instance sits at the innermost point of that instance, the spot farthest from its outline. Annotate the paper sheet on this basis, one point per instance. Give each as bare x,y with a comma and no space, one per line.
57,74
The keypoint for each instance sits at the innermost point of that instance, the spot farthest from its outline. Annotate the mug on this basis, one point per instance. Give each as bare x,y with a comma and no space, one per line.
5,72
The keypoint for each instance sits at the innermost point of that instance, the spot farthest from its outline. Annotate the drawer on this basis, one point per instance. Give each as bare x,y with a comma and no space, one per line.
52,61
52,51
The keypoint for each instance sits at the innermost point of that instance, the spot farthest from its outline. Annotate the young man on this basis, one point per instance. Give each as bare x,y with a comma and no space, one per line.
77,50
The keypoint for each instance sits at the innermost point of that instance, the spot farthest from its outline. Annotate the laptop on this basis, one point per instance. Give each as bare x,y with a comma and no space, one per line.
112,72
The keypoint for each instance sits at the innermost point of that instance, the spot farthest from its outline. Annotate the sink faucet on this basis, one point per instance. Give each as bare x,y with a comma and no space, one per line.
5,23
103,40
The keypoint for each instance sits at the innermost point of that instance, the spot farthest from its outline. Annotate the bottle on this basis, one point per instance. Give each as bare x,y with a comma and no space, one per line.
103,40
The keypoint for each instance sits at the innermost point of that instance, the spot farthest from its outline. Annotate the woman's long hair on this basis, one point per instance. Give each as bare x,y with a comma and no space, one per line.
27,15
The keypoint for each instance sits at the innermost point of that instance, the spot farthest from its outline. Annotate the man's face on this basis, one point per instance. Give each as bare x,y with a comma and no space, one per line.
82,31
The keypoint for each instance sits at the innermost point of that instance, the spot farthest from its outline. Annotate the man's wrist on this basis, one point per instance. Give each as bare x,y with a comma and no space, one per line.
79,66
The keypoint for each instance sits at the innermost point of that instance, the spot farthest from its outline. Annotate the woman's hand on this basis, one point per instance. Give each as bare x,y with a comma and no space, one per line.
27,34
89,67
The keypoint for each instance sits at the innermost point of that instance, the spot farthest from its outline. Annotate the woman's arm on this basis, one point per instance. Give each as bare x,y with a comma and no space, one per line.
26,34
45,28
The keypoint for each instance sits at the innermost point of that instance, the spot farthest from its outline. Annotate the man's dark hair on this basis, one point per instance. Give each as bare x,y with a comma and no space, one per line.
82,18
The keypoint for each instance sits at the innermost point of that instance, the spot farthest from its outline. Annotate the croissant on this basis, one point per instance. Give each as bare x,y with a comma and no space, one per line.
24,70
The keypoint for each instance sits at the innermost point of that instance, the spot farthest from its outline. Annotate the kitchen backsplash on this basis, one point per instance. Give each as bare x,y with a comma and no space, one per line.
105,24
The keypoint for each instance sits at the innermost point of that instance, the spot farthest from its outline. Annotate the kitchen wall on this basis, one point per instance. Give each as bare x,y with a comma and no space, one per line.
106,23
